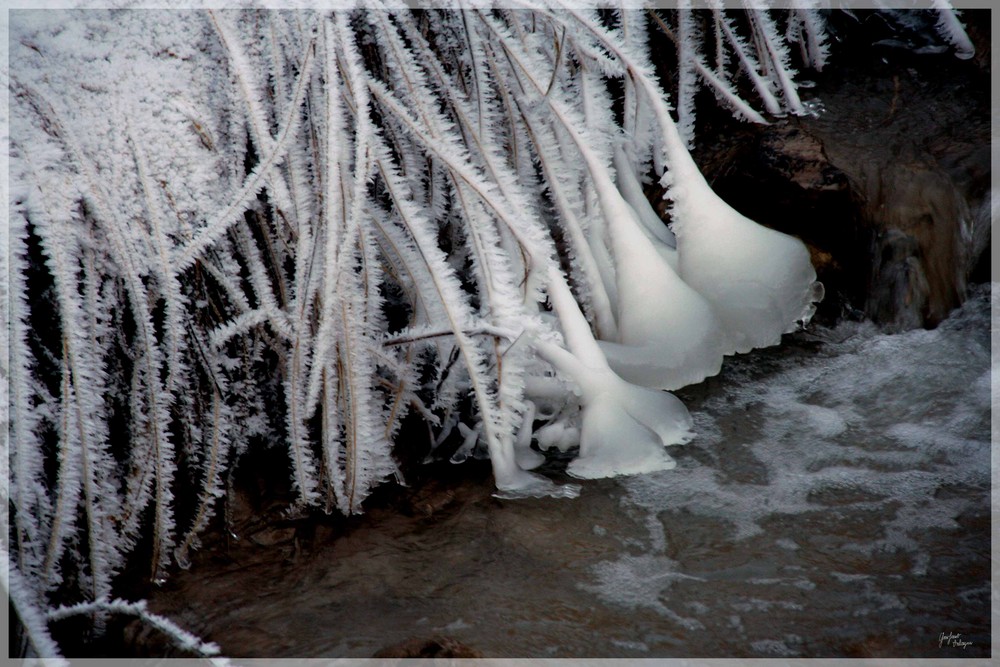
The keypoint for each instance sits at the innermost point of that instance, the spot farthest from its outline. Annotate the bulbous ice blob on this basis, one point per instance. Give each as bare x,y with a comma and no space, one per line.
527,458
760,282
559,435
625,428
668,333
669,367
604,424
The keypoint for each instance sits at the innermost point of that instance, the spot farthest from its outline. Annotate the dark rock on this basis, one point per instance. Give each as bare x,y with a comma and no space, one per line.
434,647
888,184
436,498
920,174
794,155
273,535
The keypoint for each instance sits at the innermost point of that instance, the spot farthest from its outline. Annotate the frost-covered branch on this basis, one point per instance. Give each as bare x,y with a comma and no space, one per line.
179,636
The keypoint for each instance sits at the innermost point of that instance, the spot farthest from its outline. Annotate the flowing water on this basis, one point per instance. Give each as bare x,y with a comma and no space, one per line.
836,502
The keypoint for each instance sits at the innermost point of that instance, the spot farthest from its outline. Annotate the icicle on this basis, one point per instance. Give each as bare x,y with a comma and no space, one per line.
950,27
631,190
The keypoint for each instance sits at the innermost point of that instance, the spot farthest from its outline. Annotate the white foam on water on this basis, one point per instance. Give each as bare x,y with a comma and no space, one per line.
889,418
640,582
458,624
773,648
757,604
630,645
892,428
698,607
785,543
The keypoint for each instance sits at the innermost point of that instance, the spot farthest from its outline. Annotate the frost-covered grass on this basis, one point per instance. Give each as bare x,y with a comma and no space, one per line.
237,229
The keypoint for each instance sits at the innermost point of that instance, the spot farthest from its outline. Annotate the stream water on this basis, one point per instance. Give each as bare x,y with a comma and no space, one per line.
836,502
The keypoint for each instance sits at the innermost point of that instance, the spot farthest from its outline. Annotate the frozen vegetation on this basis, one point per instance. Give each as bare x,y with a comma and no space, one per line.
239,229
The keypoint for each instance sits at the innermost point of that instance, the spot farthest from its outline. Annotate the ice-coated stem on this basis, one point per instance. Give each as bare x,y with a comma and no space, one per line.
624,427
